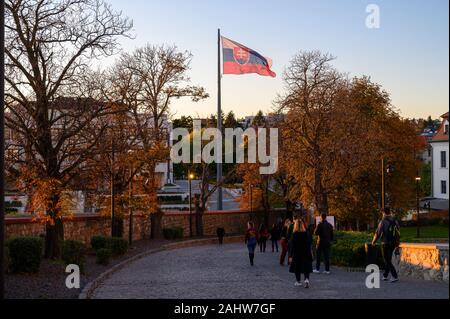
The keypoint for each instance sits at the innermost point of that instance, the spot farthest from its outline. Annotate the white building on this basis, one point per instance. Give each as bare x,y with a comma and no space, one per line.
440,163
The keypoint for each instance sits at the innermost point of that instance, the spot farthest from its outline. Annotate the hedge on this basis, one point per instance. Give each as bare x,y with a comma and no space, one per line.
99,242
348,249
173,233
103,256
25,254
73,253
118,246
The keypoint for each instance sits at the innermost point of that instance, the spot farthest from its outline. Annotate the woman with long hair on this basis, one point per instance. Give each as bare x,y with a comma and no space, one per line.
301,254
251,239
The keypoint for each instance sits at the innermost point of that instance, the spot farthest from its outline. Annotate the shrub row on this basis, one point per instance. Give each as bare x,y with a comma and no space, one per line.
105,247
73,252
173,233
24,254
426,222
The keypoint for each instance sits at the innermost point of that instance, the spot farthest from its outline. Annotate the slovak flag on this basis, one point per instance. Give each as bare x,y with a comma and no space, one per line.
238,59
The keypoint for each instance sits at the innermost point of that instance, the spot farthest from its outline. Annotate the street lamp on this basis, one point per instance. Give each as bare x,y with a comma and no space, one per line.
418,179
190,178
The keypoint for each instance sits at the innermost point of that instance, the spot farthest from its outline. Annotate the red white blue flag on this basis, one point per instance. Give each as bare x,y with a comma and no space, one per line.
238,59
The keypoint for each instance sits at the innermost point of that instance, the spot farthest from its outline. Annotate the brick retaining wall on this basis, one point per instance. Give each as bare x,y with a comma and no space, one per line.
83,227
424,261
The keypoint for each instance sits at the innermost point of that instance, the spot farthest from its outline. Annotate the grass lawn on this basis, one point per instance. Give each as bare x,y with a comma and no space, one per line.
410,233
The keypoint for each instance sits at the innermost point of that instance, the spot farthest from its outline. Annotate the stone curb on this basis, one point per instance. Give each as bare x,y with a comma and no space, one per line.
89,289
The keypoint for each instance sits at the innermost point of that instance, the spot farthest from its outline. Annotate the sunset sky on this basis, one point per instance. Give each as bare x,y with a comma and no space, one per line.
408,55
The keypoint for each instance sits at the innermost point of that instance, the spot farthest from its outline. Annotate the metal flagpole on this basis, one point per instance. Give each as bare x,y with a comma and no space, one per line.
219,124
2,147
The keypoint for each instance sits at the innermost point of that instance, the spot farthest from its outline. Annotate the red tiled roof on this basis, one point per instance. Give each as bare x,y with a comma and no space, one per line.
440,135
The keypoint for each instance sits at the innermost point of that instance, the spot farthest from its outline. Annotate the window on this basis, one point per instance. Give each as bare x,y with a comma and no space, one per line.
443,187
446,129
443,159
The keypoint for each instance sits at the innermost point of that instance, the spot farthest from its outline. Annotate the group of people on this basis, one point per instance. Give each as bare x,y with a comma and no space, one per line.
296,239
296,243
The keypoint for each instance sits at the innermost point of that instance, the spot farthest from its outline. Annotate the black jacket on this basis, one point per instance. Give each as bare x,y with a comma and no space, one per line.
325,233
301,253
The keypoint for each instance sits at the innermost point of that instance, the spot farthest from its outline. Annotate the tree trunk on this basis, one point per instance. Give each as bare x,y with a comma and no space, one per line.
156,221
199,220
54,236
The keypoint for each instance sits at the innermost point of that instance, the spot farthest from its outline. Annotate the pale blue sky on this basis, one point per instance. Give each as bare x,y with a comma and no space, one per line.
408,55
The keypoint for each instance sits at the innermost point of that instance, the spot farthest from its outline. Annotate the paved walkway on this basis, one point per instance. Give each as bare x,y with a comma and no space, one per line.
223,272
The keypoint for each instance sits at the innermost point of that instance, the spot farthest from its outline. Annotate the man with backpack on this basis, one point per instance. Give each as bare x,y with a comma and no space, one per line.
389,232
324,233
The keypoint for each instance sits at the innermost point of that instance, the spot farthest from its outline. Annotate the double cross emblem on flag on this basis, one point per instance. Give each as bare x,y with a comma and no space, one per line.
238,59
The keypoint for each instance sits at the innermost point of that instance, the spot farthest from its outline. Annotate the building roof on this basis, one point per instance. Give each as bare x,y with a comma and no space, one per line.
441,135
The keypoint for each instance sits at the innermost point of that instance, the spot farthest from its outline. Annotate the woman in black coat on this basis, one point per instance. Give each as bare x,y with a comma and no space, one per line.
301,253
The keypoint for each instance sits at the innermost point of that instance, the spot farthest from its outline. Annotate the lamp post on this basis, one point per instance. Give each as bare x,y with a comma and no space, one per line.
418,179
251,198
190,178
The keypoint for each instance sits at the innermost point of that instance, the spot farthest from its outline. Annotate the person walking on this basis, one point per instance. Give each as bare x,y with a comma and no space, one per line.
300,253
275,236
324,233
263,235
289,237
389,232
220,234
284,241
251,239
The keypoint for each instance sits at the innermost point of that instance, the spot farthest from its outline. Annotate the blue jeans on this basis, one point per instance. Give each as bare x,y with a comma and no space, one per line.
251,245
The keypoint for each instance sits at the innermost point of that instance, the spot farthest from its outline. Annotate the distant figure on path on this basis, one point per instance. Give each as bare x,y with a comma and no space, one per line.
263,236
275,236
251,239
389,232
284,241
220,234
300,252
324,232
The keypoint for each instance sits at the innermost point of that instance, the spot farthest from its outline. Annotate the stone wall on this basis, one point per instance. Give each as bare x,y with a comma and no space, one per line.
424,261
83,227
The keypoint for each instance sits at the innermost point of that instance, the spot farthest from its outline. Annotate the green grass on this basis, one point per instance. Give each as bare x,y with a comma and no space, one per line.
409,234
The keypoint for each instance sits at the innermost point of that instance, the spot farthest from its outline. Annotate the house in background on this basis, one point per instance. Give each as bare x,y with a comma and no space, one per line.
439,162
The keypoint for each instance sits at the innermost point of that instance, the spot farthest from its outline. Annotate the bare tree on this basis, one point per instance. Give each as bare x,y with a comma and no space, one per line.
49,48
146,82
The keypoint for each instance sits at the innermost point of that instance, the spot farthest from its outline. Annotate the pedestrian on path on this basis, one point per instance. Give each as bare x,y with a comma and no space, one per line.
324,233
289,237
263,236
301,253
389,232
275,236
251,239
284,241
220,234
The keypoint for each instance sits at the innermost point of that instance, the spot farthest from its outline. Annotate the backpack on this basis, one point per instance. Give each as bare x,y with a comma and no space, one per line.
393,233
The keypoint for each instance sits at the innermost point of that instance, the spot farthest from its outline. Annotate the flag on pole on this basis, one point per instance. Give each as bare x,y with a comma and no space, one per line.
238,59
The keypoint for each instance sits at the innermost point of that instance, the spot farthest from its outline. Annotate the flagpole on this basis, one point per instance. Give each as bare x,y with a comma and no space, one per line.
219,123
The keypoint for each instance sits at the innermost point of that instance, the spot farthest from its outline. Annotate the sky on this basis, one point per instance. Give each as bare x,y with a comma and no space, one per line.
408,55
